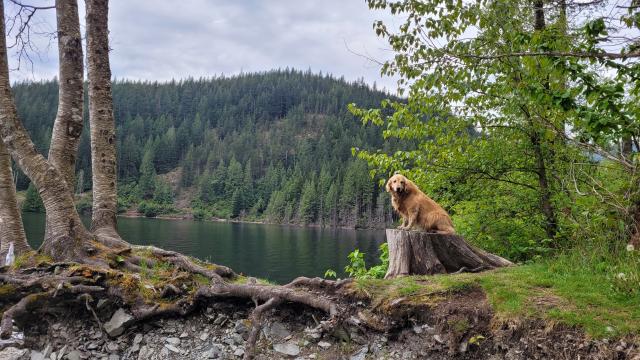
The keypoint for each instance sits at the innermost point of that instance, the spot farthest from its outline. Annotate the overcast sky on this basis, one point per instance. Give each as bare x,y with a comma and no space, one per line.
165,39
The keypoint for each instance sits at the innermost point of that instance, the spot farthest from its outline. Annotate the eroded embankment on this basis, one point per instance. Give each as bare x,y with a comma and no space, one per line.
456,324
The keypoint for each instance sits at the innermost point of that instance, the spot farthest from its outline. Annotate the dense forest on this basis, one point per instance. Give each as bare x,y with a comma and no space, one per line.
274,146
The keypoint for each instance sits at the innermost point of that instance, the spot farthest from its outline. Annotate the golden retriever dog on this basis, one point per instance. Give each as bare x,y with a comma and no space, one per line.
418,211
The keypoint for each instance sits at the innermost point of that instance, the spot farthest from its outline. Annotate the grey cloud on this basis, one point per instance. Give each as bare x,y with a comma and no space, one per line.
161,40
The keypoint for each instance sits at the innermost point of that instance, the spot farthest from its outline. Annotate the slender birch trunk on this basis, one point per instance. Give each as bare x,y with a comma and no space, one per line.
11,229
66,232
103,144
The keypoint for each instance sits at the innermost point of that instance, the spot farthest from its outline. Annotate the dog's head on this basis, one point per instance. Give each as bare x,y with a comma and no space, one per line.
398,184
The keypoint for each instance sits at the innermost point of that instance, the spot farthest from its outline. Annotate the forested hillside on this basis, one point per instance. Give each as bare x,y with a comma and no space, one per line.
273,146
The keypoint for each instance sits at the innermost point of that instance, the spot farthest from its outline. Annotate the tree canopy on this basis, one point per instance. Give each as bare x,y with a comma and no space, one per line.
520,127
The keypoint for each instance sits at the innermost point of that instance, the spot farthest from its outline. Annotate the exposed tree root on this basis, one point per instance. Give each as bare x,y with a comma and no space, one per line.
188,264
109,237
256,326
152,283
318,283
30,301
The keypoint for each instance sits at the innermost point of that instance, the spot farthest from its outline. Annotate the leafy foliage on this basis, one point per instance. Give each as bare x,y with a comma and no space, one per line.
508,123
358,269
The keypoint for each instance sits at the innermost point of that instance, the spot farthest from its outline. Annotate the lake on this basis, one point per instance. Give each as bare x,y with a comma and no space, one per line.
276,252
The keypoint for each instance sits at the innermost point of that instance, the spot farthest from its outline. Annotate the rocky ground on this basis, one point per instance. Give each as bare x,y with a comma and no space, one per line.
457,329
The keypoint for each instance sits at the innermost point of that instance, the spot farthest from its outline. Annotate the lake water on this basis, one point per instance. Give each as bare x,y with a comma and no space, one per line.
274,252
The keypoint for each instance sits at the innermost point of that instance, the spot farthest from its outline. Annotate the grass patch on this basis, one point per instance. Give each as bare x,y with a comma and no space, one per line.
569,289
412,289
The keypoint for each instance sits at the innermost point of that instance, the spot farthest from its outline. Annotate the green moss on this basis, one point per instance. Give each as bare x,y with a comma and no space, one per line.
459,325
7,290
30,258
201,280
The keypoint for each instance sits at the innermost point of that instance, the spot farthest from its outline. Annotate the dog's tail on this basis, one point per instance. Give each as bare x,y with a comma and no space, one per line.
446,229
444,225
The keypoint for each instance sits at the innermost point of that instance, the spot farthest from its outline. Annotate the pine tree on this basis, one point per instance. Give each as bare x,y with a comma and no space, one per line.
257,208
234,177
248,190
276,207
308,203
147,181
212,187
188,168
236,203
163,193
331,205
32,201
323,188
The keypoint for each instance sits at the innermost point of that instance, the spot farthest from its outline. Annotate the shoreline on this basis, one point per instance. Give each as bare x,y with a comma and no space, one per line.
238,221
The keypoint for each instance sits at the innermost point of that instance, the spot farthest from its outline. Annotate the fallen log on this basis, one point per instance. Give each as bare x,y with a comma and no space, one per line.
422,253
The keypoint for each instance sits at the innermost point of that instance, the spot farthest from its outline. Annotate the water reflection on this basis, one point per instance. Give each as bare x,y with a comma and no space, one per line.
278,253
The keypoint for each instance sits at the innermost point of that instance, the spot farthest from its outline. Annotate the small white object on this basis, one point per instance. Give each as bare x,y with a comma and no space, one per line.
621,276
630,247
609,329
11,257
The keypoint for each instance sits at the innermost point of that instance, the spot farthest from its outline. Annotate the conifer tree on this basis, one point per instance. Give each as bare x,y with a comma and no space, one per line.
147,182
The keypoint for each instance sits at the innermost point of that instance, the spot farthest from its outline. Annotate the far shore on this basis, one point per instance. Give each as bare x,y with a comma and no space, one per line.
132,214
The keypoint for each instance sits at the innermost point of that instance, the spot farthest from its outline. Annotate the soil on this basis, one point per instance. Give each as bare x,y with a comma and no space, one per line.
461,327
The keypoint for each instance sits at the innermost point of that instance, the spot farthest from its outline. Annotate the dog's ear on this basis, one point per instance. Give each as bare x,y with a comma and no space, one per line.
388,185
409,185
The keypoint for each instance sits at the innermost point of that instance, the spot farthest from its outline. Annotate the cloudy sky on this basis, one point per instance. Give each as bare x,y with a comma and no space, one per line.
165,39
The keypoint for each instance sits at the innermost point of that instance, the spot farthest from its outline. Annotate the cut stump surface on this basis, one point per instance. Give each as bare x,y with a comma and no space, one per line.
422,253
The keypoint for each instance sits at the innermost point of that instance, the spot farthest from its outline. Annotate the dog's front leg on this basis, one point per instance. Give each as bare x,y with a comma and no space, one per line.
404,223
412,218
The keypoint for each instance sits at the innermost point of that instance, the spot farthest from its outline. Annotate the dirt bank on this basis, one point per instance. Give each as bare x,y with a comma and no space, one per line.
459,326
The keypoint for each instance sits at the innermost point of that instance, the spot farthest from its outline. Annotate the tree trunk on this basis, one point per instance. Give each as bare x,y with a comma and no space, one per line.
66,231
538,9
68,125
634,216
11,229
103,143
551,220
627,147
421,253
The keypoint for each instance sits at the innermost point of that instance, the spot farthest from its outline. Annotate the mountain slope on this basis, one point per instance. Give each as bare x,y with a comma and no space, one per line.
274,146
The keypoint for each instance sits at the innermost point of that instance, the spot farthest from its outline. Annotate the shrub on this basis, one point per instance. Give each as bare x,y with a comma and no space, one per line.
200,214
149,208
358,269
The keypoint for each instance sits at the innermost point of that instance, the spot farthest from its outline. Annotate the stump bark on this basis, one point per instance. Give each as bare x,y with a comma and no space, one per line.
422,253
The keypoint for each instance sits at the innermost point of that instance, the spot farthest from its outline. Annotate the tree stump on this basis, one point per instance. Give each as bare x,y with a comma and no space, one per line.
422,253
